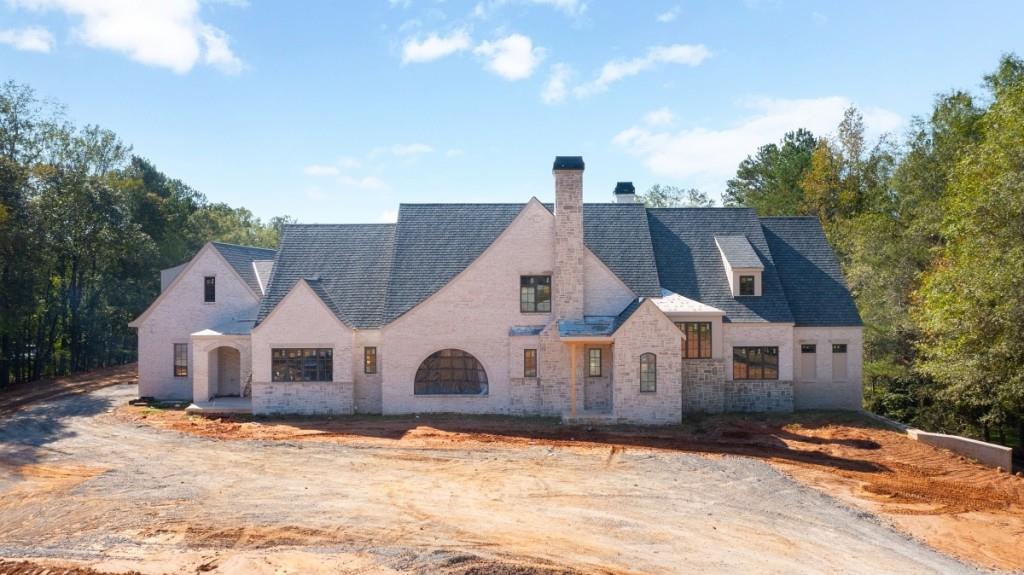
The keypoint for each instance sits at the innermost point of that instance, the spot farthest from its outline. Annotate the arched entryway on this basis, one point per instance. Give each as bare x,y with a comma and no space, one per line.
225,372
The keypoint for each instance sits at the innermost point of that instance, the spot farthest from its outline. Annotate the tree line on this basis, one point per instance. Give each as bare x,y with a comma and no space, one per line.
85,227
929,229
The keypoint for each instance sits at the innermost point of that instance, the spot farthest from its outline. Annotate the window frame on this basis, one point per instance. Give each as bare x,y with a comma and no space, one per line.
754,356
287,362
840,346
684,326
590,361
752,285
370,367
209,289
648,373
804,348
530,362
174,361
529,287
459,362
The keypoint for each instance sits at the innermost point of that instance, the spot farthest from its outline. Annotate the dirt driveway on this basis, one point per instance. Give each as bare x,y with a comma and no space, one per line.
80,482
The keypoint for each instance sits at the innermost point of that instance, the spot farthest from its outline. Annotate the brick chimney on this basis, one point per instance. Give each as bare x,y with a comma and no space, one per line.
567,283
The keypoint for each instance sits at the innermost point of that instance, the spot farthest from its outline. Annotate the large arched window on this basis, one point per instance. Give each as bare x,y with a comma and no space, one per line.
451,372
648,372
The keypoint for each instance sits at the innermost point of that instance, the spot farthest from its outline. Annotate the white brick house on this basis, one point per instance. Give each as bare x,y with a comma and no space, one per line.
611,312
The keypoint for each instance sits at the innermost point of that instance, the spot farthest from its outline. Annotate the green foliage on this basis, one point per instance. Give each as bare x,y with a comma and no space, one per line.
771,180
659,196
84,230
930,234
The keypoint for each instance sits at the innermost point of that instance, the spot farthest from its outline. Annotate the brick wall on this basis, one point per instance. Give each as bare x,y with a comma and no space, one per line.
567,283
647,331
703,385
758,396
303,398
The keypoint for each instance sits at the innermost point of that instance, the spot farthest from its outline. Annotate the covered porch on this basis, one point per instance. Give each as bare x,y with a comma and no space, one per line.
591,349
222,364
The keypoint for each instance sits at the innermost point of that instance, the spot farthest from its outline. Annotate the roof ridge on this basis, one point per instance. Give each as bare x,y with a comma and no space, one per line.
218,242
788,217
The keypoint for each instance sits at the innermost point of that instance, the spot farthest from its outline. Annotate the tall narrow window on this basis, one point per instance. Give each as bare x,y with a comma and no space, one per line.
808,361
746,285
697,344
838,362
534,294
529,363
210,289
181,360
648,372
755,363
369,360
594,362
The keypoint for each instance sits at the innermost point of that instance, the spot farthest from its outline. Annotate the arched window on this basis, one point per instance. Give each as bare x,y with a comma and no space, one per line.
451,372
648,372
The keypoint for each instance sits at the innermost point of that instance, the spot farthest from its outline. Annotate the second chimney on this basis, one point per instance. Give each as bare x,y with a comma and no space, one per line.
625,193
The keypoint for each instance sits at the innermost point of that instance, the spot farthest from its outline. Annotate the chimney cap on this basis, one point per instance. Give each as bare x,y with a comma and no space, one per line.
624,188
568,163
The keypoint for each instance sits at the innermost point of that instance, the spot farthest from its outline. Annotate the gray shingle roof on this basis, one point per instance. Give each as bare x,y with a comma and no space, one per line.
434,242
809,272
345,264
597,325
738,251
619,236
690,264
241,258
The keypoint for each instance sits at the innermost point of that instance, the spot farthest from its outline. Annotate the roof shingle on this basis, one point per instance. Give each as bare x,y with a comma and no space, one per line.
241,259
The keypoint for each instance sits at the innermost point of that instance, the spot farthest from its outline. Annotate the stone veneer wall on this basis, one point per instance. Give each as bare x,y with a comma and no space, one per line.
567,281
703,385
303,398
647,331
758,396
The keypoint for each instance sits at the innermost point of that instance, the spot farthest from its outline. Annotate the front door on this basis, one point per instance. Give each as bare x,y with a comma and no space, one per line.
597,377
228,372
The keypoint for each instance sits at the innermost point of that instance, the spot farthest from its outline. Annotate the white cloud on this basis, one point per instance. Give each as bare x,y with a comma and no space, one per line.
659,117
320,170
669,15
165,33
434,47
570,7
708,157
388,217
364,183
454,153
315,193
616,70
31,39
513,57
557,87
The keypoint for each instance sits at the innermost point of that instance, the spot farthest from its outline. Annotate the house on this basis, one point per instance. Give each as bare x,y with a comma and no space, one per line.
598,312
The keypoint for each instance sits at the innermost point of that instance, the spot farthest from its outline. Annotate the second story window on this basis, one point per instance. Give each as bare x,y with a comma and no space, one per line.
535,294
210,289
746,285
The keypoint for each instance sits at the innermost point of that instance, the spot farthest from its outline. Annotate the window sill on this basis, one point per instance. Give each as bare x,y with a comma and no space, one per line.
450,395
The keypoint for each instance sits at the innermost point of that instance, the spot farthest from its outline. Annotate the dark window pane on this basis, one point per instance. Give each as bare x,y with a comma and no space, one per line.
210,289
648,372
370,360
745,284
450,371
534,294
739,363
705,340
181,360
300,364
838,348
808,348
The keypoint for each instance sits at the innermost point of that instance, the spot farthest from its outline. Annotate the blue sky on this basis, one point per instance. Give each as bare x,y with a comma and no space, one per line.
338,111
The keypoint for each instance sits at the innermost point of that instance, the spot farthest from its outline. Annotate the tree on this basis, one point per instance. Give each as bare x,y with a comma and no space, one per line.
770,181
659,196
971,301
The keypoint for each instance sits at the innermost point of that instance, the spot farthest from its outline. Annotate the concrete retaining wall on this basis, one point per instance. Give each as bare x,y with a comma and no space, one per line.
985,453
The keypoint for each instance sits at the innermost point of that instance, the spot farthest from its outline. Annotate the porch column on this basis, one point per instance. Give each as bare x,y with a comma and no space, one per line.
572,380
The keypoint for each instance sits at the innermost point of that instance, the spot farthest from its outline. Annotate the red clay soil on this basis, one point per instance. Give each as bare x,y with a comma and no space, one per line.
954,504
40,568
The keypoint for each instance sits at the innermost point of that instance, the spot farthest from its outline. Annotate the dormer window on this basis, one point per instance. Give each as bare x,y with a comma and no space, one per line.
742,265
746,285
